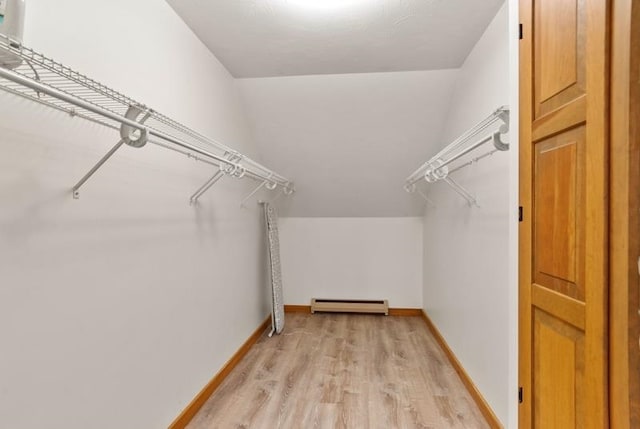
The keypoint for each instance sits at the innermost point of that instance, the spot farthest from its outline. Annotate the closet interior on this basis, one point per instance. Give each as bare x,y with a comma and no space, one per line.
135,255
319,230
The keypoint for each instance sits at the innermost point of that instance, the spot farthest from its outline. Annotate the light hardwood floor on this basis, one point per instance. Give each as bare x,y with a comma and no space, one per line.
343,371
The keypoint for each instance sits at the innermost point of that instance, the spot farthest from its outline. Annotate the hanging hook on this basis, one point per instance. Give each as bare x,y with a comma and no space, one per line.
288,188
436,171
239,172
410,187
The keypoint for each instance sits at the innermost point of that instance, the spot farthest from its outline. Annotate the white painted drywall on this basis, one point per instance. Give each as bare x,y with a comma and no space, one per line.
117,308
466,250
308,37
349,140
352,258
514,202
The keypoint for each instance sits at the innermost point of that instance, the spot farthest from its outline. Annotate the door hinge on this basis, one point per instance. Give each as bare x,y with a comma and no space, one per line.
520,395
520,26
520,214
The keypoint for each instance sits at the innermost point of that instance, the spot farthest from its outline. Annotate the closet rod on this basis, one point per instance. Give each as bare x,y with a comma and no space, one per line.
436,168
455,150
29,74
457,156
186,153
37,86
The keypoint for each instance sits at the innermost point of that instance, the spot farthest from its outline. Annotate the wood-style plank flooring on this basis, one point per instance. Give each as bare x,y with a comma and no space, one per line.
343,371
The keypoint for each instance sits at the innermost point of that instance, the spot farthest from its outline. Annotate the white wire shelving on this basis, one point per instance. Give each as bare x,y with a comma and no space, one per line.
29,74
439,167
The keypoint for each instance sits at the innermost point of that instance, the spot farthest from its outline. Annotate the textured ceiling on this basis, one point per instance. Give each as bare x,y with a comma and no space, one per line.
259,38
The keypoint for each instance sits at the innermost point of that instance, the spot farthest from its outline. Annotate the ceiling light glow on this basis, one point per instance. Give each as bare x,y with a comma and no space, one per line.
324,5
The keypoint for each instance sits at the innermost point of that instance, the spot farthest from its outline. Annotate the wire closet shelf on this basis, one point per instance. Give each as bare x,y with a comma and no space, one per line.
29,74
439,167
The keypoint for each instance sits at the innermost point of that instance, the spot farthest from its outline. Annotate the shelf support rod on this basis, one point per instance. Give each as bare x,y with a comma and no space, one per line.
60,95
255,191
76,188
256,170
274,199
204,188
424,197
461,191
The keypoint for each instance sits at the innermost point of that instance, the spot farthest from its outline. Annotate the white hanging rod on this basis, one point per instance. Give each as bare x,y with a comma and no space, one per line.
435,168
75,113
52,84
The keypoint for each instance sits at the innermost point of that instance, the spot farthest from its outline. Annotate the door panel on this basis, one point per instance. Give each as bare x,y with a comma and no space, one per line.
559,213
559,55
563,242
559,350
624,321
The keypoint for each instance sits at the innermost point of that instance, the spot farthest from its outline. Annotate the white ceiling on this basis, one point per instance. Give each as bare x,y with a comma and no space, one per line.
259,38
349,140
346,101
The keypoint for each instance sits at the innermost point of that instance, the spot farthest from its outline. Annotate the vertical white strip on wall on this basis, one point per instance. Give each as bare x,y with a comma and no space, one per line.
514,102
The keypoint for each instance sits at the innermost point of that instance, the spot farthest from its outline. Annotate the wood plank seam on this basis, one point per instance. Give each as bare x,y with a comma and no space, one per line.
194,406
486,410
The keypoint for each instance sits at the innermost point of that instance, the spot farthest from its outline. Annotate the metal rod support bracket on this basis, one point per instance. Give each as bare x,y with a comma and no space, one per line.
471,200
143,137
204,188
54,85
105,158
498,143
255,191
427,199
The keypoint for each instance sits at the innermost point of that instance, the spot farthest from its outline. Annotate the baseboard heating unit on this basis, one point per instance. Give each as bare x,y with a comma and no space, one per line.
350,306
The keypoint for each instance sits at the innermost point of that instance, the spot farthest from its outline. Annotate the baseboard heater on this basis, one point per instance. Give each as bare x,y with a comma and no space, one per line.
350,306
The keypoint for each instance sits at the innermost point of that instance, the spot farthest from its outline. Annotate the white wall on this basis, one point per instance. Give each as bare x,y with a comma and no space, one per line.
357,258
514,201
466,250
117,308
349,140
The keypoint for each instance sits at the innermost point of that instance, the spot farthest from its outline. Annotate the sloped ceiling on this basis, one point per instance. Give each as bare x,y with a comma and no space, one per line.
349,140
347,97
258,38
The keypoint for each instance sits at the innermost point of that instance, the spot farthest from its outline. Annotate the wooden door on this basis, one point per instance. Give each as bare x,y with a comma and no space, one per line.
563,193
624,230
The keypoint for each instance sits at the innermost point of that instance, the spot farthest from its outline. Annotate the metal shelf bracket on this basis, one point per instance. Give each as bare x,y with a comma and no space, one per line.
411,188
204,188
45,81
265,184
129,135
471,200
439,166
